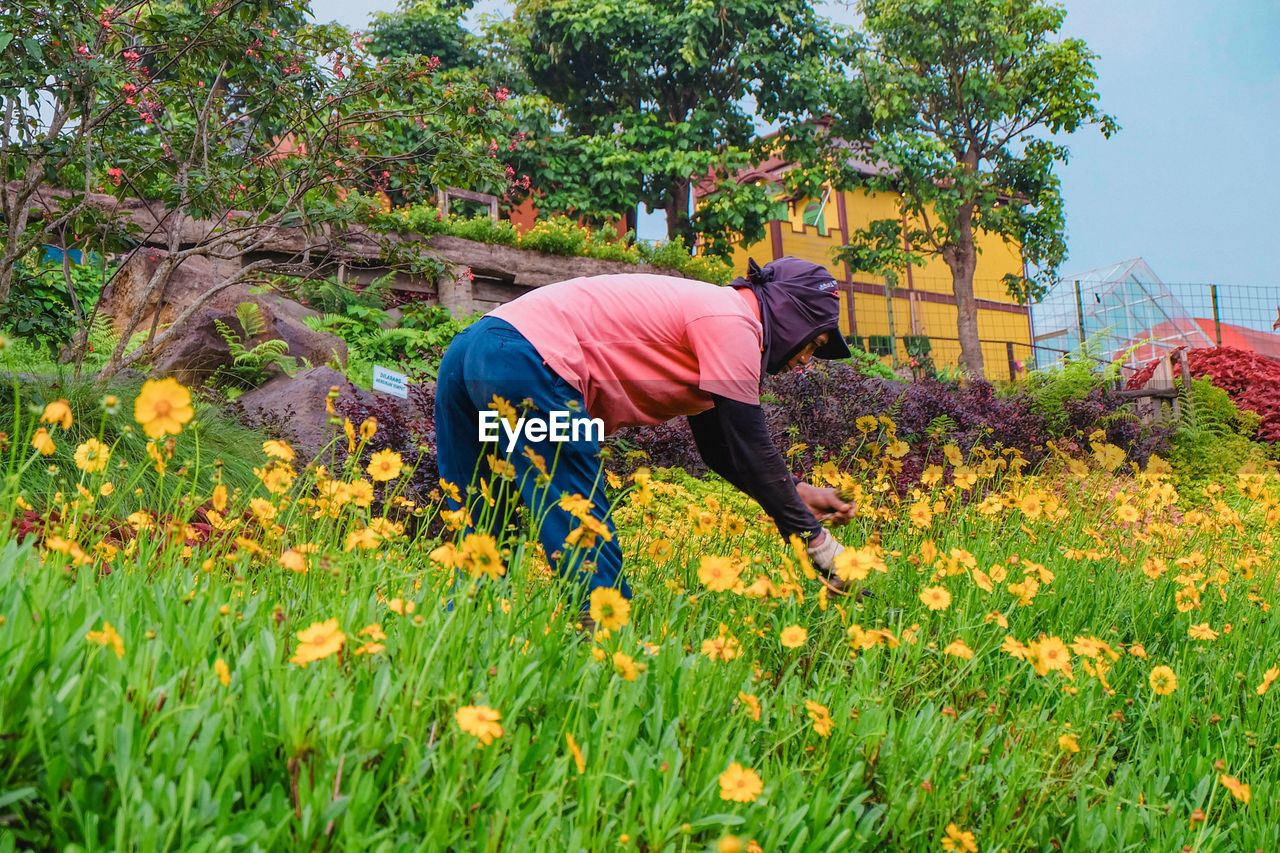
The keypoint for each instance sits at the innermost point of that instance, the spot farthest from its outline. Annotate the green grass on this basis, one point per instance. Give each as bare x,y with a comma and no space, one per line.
150,751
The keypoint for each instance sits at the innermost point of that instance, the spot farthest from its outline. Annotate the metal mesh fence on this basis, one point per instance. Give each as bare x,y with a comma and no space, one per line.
1136,316
1121,311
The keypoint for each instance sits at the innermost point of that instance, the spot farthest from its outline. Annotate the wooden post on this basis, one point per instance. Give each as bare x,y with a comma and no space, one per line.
1080,311
1186,376
1217,321
1013,368
888,304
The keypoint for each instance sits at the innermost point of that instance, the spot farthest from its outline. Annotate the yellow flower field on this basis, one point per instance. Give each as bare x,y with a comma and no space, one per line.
1077,657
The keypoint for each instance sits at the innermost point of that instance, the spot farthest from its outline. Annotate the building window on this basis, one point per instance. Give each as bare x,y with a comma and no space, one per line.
815,214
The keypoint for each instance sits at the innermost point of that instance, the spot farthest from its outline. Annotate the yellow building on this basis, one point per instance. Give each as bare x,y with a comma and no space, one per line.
921,310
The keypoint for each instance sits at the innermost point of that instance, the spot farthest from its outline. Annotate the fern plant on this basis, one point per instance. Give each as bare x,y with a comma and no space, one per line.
251,366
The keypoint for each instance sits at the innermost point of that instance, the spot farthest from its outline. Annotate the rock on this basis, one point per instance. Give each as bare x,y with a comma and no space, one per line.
296,406
198,350
195,356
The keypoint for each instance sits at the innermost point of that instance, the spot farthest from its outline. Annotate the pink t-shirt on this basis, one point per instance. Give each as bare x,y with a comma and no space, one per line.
643,348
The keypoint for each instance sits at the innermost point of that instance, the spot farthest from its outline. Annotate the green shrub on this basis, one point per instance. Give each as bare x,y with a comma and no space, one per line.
330,296
483,229
39,308
556,236
212,435
1080,374
1214,438
868,364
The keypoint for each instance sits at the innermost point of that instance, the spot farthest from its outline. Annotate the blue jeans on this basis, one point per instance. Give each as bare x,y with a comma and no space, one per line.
490,358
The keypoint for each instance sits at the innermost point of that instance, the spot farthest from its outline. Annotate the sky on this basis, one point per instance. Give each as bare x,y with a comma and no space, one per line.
1190,181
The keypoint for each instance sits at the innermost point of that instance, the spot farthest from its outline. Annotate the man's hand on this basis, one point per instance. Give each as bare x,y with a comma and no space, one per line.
825,504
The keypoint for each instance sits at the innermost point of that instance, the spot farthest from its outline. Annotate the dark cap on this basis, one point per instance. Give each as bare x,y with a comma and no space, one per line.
799,300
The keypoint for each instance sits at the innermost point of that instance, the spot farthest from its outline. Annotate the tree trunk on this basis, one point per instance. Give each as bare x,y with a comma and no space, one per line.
962,257
677,207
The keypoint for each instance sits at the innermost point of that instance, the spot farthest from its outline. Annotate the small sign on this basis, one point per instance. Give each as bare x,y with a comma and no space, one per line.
390,381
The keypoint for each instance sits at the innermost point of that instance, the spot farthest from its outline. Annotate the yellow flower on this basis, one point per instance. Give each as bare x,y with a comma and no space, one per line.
1138,651
505,410
92,456
263,509
957,839
365,538
219,498
278,449
481,721
373,632
794,637
277,477
1202,632
724,648
958,649
58,412
576,505
953,455
481,556
588,530
821,717
659,550
319,641
609,609
108,636
1049,654
1268,677
224,673
1068,743
921,514
854,564
42,442
1108,456
368,429
399,605
751,703
162,407
624,665
936,597
1238,789
451,490
1163,681
294,560
718,573
578,760
385,465
740,784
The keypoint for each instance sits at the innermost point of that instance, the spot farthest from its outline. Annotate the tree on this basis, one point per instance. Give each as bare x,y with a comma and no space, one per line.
652,97
963,94
233,119
430,28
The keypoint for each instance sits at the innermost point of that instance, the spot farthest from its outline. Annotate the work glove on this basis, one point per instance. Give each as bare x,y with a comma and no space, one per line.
823,551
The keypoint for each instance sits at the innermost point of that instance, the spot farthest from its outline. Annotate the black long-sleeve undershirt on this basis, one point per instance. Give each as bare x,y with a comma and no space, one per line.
733,439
